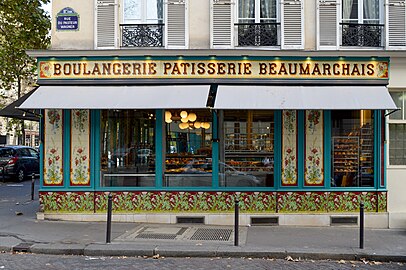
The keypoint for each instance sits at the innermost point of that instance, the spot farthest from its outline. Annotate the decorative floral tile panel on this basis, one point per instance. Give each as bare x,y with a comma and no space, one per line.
221,202
350,201
187,201
289,148
67,201
314,170
53,148
80,148
302,201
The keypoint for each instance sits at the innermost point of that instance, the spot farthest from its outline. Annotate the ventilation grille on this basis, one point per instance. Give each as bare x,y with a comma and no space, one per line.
344,221
258,221
194,220
212,234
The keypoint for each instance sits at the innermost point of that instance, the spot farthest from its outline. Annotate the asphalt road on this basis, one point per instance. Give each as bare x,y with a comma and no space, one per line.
37,261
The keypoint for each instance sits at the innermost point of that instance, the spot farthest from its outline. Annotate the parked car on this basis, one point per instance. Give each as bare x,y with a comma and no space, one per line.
18,162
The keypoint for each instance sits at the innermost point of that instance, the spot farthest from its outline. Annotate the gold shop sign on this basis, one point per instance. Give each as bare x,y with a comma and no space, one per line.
214,69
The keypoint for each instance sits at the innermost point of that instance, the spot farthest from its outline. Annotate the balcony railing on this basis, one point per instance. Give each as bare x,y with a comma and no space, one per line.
362,35
142,35
258,34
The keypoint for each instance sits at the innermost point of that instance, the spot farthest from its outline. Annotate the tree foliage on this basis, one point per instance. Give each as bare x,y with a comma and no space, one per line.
24,25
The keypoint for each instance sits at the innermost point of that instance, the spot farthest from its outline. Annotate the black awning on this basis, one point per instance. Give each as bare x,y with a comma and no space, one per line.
11,110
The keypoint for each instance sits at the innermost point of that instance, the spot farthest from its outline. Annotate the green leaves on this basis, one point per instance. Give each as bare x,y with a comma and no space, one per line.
24,25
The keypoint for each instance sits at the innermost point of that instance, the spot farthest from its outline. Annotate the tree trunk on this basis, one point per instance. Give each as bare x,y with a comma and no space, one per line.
21,139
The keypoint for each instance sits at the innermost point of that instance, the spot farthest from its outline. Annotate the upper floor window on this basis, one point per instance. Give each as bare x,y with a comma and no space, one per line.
257,23
397,130
361,23
143,11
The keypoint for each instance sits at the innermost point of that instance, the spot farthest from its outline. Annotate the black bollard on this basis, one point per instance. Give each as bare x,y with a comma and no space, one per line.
236,220
361,225
109,212
32,186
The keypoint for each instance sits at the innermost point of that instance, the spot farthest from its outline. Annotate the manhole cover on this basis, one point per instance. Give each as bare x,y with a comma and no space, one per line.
212,234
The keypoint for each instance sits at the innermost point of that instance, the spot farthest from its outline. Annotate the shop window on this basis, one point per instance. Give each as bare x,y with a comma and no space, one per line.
397,131
352,148
188,148
247,157
127,148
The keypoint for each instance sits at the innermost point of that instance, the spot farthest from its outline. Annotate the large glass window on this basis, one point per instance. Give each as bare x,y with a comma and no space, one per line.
247,159
188,148
127,148
397,130
352,148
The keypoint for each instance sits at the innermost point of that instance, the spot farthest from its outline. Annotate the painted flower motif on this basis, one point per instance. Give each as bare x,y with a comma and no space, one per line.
314,171
53,172
289,121
289,175
80,118
80,175
313,118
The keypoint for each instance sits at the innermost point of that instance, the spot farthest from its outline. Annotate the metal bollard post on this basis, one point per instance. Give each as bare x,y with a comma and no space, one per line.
109,212
32,186
236,220
361,226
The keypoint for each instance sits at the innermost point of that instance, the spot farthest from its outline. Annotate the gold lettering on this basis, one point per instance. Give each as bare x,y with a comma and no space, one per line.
57,69
116,69
106,69
126,68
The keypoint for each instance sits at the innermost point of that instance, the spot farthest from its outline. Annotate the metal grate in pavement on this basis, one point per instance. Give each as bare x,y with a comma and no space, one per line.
156,236
156,233
212,234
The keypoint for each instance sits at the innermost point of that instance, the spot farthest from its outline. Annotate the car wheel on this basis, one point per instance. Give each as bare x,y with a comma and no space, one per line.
20,175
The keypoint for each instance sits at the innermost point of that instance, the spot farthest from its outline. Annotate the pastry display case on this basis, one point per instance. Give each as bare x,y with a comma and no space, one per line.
346,154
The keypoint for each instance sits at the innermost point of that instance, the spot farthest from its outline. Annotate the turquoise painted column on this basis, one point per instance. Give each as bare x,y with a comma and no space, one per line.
215,151
66,147
327,149
300,148
277,149
159,147
377,149
41,149
95,148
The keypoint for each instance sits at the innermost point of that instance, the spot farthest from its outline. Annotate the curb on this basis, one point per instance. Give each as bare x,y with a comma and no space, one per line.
131,250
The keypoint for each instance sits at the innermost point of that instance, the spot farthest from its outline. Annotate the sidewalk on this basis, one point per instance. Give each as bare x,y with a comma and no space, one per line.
22,232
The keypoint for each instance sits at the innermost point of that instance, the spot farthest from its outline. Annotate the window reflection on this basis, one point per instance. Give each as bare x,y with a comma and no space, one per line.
127,148
188,148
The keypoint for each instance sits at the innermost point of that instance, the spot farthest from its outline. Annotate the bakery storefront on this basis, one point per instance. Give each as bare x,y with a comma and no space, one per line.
180,136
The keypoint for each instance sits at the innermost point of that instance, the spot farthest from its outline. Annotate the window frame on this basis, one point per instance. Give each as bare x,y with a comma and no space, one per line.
361,19
144,17
389,122
257,13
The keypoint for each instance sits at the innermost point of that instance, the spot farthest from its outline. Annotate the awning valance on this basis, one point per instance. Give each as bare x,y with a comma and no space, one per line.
303,97
119,97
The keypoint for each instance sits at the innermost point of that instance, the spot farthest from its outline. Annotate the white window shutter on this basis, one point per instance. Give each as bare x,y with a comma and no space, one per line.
221,19
327,24
176,24
292,24
106,24
396,24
